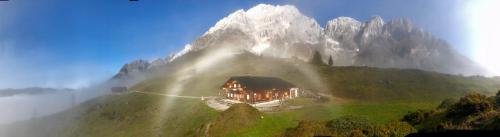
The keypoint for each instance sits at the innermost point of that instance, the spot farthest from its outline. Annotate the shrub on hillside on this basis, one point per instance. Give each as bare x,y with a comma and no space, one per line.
350,126
447,103
470,104
497,99
348,123
394,129
471,112
308,129
493,124
416,117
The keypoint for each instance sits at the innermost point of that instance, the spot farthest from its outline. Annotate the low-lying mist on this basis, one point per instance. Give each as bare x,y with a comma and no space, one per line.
27,106
39,102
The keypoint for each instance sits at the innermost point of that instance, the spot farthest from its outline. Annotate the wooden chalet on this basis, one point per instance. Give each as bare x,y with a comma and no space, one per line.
255,89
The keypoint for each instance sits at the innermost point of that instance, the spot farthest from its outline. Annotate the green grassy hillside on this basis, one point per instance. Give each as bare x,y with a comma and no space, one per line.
379,95
234,119
129,115
365,83
355,83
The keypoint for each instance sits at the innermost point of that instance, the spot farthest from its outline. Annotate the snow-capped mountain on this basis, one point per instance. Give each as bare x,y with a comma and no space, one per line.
284,32
278,31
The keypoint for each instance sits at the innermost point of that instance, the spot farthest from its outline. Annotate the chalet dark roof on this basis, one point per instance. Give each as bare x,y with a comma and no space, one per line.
261,83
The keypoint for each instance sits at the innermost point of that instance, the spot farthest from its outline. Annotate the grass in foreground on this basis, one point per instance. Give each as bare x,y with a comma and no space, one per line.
276,123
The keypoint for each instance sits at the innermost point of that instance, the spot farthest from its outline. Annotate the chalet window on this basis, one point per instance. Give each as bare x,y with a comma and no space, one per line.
248,97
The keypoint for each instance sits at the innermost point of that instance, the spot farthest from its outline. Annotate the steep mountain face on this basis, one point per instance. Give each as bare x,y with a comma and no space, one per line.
133,68
284,32
340,34
279,31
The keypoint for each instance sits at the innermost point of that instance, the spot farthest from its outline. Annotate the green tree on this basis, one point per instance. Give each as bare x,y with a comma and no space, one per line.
330,61
317,59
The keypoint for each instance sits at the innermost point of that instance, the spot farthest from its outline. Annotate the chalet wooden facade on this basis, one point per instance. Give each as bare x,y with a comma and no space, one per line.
253,89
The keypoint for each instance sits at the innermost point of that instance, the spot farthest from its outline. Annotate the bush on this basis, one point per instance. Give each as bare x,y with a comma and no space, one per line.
470,104
357,133
447,103
494,124
308,129
416,117
497,99
471,112
348,123
394,129
350,126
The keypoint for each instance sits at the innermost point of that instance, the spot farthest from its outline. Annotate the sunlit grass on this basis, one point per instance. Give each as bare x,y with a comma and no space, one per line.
275,123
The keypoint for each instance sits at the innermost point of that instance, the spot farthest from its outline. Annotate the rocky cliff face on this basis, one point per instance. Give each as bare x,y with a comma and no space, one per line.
284,32
133,68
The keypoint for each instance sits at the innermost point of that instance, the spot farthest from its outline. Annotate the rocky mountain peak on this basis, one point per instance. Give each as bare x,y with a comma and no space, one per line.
373,27
376,21
284,32
260,26
136,66
342,25
400,26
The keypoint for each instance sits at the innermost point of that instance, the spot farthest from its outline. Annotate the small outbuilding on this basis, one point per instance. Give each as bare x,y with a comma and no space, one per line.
255,89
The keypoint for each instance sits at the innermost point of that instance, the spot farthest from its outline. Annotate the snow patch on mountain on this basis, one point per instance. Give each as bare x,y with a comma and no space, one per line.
260,47
187,48
267,23
283,31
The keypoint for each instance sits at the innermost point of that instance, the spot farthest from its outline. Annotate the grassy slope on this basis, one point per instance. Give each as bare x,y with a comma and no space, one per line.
357,83
143,115
129,115
236,118
380,95
274,124
404,85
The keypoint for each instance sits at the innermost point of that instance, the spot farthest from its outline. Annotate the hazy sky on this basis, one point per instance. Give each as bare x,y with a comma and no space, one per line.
63,43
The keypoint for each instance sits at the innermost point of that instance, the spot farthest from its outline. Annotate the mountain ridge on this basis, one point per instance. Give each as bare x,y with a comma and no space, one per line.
283,31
